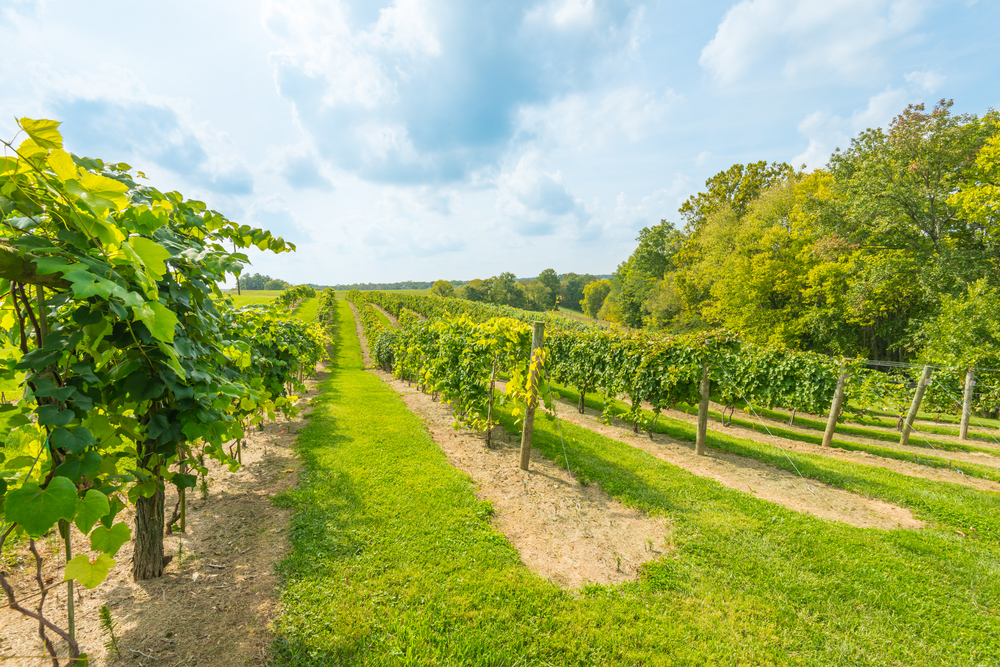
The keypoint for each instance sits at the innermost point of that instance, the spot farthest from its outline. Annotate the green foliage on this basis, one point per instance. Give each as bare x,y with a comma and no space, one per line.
130,367
594,295
733,189
443,289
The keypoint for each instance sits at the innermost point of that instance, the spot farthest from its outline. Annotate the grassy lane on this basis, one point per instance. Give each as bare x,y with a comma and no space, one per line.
394,562
307,310
683,431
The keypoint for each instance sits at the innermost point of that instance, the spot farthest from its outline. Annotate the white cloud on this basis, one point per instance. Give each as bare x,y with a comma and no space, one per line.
582,121
845,37
536,202
927,80
827,131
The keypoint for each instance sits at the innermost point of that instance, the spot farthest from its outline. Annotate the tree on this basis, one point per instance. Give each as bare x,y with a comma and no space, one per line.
572,286
255,282
506,291
537,296
475,290
734,188
550,279
655,254
594,294
276,284
442,288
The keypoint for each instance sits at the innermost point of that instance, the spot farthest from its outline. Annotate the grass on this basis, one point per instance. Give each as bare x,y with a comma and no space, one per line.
394,561
381,316
307,310
866,424
253,297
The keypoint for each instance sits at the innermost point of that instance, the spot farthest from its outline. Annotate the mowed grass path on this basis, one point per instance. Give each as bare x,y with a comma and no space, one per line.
394,562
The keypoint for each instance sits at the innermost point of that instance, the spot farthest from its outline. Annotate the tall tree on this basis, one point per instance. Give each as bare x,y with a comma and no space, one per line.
734,188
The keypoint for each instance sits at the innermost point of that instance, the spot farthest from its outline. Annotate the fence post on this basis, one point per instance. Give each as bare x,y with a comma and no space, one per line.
706,386
918,397
835,407
970,382
537,340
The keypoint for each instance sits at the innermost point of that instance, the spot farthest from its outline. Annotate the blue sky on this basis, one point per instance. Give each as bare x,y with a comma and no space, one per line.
425,139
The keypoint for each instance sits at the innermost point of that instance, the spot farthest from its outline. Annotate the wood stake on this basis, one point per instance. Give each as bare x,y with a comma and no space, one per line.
918,397
706,386
835,407
970,382
537,340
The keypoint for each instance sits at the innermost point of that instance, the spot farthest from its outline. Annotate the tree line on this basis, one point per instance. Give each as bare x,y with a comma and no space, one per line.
890,251
545,292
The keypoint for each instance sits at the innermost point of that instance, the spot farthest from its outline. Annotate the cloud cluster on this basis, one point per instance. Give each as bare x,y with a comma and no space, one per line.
846,38
427,91
120,129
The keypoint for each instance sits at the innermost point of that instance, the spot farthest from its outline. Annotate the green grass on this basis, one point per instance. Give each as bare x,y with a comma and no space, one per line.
253,297
307,310
918,437
394,561
878,421
666,424
381,316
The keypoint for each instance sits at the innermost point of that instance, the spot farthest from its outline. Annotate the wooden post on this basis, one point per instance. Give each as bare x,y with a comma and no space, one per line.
835,407
970,382
537,340
706,386
64,531
918,397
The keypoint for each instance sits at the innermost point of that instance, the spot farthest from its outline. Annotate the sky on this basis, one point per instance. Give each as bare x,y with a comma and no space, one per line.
428,139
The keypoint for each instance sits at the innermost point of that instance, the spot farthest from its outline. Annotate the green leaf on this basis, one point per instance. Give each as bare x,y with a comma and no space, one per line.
62,164
74,441
37,510
110,540
87,573
53,415
19,462
98,192
44,132
90,509
75,467
86,284
159,319
152,253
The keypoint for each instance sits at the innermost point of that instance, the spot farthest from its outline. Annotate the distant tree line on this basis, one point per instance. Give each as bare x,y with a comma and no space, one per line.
543,293
261,282
408,284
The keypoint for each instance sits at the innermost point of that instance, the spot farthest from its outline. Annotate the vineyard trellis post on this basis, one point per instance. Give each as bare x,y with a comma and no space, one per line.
970,382
918,398
835,407
706,386
537,340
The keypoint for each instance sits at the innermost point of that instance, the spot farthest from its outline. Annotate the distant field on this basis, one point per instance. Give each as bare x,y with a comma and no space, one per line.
417,292
251,297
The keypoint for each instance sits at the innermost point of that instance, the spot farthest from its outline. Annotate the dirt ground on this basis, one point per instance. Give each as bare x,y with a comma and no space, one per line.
216,600
752,476
567,533
903,467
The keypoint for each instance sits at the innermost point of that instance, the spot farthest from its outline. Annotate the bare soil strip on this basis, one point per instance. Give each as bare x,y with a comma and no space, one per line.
992,442
912,469
570,534
752,476
215,603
